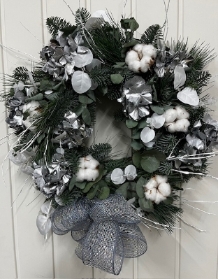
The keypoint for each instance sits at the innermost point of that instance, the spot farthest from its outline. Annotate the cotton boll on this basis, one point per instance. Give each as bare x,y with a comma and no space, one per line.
151,194
181,113
90,174
152,183
138,49
90,162
182,125
145,63
170,115
131,56
149,50
165,189
80,175
160,179
135,66
171,127
159,198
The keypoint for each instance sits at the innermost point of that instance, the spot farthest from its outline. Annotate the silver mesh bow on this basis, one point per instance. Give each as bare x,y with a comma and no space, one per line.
106,231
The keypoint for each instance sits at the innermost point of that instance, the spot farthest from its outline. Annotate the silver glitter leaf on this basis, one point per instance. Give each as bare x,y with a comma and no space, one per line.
188,96
195,142
81,82
179,77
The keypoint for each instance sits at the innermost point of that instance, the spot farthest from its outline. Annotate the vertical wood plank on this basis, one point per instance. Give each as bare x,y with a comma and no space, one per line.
199,250
34,256
8,267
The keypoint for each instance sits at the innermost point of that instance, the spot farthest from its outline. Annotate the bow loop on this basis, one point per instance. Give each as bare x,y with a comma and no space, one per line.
106,231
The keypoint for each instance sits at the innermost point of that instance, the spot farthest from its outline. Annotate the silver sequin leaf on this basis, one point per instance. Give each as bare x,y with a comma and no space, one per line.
188,96
81,82
195,142
43,224
179,77
84,57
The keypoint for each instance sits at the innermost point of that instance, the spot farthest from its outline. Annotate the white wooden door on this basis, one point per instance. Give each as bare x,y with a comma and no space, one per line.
187,253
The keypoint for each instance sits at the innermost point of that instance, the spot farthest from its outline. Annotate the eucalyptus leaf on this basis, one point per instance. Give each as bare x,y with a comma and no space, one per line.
157,109
136,158
179,77
139,187
37,97
160,156
79,109
136,145
188,96
117,176
86,116
143,123
150,164
116,78
104,193
51,97
146,205
96,63
92,193
131,123
84,57
81,82
136,136
72,183
123,189
85,100
147,135
81,185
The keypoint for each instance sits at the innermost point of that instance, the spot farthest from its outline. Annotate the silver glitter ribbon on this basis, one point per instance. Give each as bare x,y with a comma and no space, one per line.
136,97
106,231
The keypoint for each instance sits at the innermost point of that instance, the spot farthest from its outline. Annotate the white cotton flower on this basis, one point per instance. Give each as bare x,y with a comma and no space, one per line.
182,125
88,169
141,58
170,115
157,189
160,179
165,189
159,198
181,113
149,50
152,183
151,194
177,120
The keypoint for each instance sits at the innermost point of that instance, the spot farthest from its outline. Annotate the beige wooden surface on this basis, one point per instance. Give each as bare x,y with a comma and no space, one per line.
186,254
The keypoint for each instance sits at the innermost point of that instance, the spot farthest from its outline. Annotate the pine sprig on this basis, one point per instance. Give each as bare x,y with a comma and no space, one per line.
152,34
81,17
56,23
100,151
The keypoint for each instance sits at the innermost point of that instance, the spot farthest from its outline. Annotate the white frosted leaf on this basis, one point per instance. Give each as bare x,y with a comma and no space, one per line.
43,224
179,77
117,176
81,82
156,121
147,135
46,208
130,172
84,57
188,96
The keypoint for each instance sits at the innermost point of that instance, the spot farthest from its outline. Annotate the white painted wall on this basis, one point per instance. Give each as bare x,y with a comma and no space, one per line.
186,254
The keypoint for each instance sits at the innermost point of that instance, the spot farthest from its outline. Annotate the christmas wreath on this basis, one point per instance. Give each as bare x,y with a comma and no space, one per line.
52,109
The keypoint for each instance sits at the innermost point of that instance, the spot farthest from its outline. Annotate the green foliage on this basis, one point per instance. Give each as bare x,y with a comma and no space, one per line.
152,34
56,23
112,164
166,143
81,17
100,151
20,73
